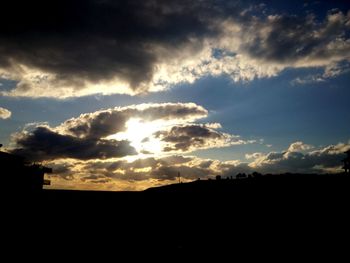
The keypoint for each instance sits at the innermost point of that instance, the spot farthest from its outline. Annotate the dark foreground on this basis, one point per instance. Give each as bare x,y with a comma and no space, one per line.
265,216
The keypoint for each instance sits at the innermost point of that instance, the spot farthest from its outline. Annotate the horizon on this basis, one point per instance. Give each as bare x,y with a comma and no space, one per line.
124,96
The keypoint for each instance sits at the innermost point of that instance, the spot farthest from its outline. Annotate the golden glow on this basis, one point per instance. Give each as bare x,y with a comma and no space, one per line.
139,133
143,170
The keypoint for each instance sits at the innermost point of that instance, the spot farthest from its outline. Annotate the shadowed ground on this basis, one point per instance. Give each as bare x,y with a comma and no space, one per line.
291,213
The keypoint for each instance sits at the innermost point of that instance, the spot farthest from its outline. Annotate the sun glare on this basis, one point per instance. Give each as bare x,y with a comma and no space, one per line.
139,133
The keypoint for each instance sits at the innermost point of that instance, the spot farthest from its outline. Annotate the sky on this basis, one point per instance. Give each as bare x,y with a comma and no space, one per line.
125,95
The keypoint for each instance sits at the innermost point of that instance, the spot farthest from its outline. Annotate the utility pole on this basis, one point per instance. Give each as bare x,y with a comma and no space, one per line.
179,177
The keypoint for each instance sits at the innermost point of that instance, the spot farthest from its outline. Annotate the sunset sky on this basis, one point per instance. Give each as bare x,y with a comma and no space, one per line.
124,95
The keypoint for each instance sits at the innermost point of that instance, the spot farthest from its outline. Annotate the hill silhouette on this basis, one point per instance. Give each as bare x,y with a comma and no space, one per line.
288,213
238,214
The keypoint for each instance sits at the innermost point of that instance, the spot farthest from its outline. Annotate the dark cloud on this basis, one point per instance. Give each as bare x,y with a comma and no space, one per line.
159,169
289,39
84,137
175,159
231,169
106,122
62,170
186,137
166,168
85,47
96,125
45,144
97,40
96,179
150,171
156,167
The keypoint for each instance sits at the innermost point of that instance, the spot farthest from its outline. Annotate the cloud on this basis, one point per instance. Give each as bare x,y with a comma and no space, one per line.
195,136
295,159
143,130
253,155
4,113
299,40
45,144
138,46
329,72
299,147
139,172
116,174
96,46
107,122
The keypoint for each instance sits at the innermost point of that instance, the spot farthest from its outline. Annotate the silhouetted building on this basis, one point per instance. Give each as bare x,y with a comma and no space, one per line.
17,174
218,177
346,162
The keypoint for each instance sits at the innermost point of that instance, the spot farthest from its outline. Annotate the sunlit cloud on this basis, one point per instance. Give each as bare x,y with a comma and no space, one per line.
139,133
4,113
142,173
302,158
123,132
241,41
249,84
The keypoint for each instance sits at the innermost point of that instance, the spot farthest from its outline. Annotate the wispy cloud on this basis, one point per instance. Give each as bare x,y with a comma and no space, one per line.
330,72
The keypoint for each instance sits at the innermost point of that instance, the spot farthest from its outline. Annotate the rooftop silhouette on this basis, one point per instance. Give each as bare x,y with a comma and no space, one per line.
20,175
346,162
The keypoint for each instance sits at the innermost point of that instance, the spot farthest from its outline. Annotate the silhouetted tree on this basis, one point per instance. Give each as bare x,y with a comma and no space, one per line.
256,174
241,175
